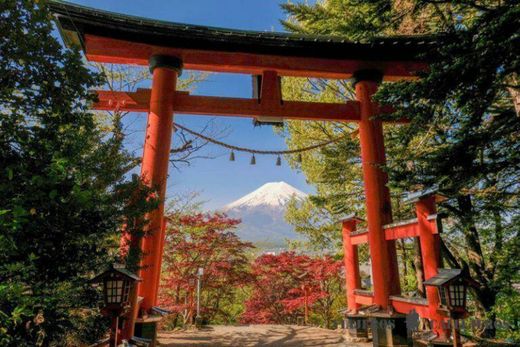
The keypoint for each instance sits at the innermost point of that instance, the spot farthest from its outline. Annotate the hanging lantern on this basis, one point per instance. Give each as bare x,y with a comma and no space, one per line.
278,161
253,160
299,158
232,156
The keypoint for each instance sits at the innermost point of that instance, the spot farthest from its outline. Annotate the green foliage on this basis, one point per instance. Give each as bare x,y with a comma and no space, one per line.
16,310
507,310
337,182
61,182
353,19
463,135
362,20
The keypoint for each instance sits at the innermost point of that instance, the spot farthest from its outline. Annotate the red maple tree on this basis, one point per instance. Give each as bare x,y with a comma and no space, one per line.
287,285
202,241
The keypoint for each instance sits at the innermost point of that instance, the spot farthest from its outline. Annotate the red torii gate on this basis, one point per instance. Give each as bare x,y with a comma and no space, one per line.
168,47
426,227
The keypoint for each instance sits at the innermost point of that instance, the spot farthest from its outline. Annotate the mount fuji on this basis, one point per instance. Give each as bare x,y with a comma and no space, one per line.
262,213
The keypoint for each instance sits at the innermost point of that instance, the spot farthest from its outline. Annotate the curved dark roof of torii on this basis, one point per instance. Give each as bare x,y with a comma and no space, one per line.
145,30
83,21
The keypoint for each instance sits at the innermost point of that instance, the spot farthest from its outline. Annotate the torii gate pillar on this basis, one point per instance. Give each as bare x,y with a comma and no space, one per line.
154,168
378,205
430,252
154,172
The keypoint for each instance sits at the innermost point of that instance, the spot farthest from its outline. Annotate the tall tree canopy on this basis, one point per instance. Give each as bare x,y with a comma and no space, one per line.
62,186
463,135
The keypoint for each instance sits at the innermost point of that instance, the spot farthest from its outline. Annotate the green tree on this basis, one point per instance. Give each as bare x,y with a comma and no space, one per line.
463,134
62,185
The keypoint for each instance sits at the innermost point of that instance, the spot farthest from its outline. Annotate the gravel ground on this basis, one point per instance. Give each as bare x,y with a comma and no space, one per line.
256,335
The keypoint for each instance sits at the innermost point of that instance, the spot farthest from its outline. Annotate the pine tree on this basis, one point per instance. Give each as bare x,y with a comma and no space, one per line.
63,192
463,134
465,137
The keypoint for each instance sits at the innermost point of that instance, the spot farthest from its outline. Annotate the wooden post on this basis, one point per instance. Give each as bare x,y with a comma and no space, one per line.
154,172
430,242
378,205
306,310
116,328
154,168
455,333
350,258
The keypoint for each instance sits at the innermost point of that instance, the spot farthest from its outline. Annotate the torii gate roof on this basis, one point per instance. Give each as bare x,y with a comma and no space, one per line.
117,38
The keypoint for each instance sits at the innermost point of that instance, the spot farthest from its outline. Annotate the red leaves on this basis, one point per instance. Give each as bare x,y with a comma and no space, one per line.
281,285
202,241
285,283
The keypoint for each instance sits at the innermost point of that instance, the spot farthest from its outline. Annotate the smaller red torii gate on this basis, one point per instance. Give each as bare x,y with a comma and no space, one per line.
426,227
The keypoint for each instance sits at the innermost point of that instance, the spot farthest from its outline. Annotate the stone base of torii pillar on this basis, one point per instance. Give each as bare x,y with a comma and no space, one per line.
389,330
385,330
356,326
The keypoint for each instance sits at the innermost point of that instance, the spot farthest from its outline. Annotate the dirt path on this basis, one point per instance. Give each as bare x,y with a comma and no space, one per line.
255,335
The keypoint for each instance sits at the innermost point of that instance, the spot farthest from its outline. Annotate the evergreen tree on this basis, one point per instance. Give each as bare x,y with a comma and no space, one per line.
465,137
62,189
463,134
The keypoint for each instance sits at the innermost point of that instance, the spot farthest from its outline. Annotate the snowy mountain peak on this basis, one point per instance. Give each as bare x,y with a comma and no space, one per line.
273,194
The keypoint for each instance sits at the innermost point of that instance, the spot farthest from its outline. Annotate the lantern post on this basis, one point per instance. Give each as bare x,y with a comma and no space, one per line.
200,272
452,292
117,284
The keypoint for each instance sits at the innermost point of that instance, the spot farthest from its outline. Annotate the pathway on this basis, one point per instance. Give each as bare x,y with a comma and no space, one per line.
256,335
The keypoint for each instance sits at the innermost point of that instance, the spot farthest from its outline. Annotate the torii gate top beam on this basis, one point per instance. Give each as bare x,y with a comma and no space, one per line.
116,38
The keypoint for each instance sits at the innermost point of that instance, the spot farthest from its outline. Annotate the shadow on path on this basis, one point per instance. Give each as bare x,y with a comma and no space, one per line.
255,335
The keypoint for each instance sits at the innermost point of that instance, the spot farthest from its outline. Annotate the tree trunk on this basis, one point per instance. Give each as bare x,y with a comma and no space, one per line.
404,257
419,271
515,93
484,295
447,255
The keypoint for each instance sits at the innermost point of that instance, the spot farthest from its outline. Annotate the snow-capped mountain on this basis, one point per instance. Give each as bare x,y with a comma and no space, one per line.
273,194
262,213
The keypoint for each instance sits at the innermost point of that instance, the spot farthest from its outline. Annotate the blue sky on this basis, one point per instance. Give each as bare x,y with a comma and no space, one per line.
219,181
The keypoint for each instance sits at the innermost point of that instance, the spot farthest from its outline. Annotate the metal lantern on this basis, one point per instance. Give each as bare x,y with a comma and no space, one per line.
452,289
117,284
456,293
451,286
